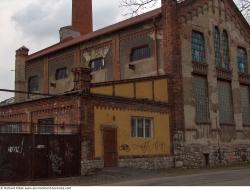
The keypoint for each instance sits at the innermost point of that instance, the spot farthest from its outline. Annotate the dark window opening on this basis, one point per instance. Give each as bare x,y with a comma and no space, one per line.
61,73
140,53
97,64
242,60
198,47
33,85
217,47
45,126
225,42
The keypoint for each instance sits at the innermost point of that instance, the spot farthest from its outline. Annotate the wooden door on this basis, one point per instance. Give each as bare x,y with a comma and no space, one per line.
110,147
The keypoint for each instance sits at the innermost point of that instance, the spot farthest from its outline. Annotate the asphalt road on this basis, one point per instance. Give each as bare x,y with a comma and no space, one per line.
239,177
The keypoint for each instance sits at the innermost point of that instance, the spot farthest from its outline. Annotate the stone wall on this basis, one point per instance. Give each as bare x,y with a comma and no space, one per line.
89,167
157,162
197,156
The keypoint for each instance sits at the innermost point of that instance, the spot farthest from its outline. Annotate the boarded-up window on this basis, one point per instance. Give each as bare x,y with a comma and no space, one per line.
139,53
201,99
198,47
225,102
245,104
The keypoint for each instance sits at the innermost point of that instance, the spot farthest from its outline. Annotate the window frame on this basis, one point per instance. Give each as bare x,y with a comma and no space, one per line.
246,60
29,84
45,125
217,47
146,56
202,46
136,118
65,76
245,114
226,50
99,68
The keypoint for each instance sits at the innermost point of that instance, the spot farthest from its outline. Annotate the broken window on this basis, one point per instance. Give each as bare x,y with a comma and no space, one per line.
142,127
242,60
140,53
245,104
225,102
217,46
61,73
33,85
198,47
97,64
201,99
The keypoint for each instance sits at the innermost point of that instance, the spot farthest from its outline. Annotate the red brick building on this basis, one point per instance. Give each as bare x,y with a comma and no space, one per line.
202,46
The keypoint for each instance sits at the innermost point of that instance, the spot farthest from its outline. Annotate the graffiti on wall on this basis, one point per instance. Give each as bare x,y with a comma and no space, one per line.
145,147
56,163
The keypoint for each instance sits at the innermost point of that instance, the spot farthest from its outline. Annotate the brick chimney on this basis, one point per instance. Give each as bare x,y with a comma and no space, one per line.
21,56
82,20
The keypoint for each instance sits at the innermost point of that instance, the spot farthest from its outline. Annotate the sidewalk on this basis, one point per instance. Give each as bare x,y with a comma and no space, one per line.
119,175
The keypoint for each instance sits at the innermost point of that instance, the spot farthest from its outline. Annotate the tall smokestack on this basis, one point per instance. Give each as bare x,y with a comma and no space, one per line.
82,20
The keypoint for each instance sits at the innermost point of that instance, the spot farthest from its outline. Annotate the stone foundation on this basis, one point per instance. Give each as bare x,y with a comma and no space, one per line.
88,167
197,156
147,163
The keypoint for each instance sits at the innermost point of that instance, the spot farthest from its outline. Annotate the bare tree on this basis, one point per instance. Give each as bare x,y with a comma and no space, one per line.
137,6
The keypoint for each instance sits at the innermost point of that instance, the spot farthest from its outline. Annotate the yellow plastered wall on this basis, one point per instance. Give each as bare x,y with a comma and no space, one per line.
144,90
161,90
106,90
159,144
125,90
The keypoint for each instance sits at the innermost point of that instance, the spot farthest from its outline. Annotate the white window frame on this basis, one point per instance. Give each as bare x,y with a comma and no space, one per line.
144,128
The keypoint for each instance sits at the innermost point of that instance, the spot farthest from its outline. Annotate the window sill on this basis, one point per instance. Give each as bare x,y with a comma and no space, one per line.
228,124
203,122
200,68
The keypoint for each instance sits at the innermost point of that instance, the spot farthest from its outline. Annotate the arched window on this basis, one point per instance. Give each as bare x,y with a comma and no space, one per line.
217,47
225,50
242,60
33,85
198,47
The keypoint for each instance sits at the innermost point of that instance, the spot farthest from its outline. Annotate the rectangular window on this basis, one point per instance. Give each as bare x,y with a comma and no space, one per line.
245,104
11,128
97,64
140,53
45,126
198,47
33,84
142,127
201,99
225,102
61,73
242,60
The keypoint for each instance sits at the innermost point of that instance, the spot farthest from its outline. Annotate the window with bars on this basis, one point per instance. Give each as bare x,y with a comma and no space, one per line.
217,46
141,127
201,99
140,53
45,126
225,44
61,73
97,64
245,104
225,102
11,128
198,47
33,84
242,60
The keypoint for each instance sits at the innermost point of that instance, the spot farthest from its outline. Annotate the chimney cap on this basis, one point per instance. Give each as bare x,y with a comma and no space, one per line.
22,51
